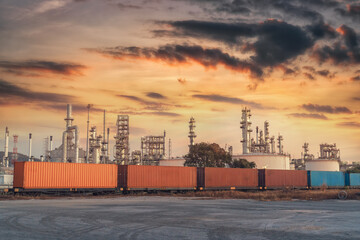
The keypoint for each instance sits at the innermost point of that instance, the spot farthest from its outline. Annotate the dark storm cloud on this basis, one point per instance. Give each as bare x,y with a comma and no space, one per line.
356,78
13,93
155,95
23,67
352,11
151,105
347,51
356,98
324,73
349,124
207,57
225,99
325,109
276,41
321,30
349,36
308,115
309,76
165,114
123,6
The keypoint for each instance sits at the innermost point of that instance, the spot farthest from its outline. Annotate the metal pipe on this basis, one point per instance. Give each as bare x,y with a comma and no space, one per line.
65,135
6,150
51,143
30,143
108,143
87,133
76,129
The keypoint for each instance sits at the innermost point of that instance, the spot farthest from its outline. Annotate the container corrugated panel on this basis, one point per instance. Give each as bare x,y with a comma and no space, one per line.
231,177
47,175
326,178
285,178
157,177
354,179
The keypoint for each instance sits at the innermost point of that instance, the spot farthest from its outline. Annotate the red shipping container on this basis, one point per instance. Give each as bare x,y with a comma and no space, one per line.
227,178
269,178
53,175
134,177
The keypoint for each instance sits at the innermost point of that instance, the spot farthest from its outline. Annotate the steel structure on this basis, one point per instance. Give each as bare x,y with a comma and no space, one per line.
122,148
5,160
94,146
152,149
192,134
245,125
14,156
329,151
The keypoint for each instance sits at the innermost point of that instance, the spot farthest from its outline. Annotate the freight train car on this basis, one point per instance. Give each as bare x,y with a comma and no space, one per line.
51,176
352,180
227,178
277,179
317,179
135,177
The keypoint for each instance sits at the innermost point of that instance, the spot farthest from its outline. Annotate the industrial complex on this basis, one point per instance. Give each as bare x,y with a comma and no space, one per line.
265,150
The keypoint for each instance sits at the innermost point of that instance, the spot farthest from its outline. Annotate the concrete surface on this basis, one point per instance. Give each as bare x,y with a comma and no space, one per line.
178,218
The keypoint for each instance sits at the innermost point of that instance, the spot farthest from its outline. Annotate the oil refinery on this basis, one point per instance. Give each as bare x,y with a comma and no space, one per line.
265,150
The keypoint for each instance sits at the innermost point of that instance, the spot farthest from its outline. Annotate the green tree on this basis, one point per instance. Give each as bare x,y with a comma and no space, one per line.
207,155
242,163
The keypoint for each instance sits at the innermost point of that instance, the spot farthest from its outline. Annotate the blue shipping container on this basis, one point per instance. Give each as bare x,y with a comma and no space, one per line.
330,179
352,179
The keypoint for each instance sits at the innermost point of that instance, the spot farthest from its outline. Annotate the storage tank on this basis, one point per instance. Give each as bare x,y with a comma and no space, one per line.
322,165
268,161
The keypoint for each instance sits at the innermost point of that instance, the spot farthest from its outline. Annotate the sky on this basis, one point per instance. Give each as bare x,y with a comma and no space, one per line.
294,63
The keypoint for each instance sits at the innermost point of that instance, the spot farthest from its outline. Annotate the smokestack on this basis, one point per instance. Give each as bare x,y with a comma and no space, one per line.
51,143
68,118
108,143
30,143
6,150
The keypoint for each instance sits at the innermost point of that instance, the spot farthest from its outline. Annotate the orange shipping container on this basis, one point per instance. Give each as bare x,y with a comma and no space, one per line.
156,177
227,178
282,178
49,175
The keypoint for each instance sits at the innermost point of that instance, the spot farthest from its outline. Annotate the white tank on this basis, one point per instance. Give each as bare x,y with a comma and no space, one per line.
322,165
268,161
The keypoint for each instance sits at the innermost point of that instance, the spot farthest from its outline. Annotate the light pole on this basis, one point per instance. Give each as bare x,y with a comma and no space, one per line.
87,133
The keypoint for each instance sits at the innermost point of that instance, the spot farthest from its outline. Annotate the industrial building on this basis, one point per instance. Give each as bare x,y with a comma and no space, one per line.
261,150
69,150
329,159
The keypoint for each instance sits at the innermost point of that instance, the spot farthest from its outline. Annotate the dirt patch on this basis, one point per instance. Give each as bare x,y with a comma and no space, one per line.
269,195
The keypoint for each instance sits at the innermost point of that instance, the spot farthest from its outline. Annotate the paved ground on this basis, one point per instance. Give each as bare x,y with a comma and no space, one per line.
178,218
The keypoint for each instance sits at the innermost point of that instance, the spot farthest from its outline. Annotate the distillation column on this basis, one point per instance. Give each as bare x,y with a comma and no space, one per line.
192,134
246,130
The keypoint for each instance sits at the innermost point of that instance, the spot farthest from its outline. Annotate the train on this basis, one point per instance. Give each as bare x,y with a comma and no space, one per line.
55,177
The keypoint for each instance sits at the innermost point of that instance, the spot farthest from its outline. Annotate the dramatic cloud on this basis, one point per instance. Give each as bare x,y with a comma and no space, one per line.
339,53
309,76
349,124
37,66
171,54
308,115
324,73
155,107
13,94
232,100
356,78
276,41
155,95
351,10
325,109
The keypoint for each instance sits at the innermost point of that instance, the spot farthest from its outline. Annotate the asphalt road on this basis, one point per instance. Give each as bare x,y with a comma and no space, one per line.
178,218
